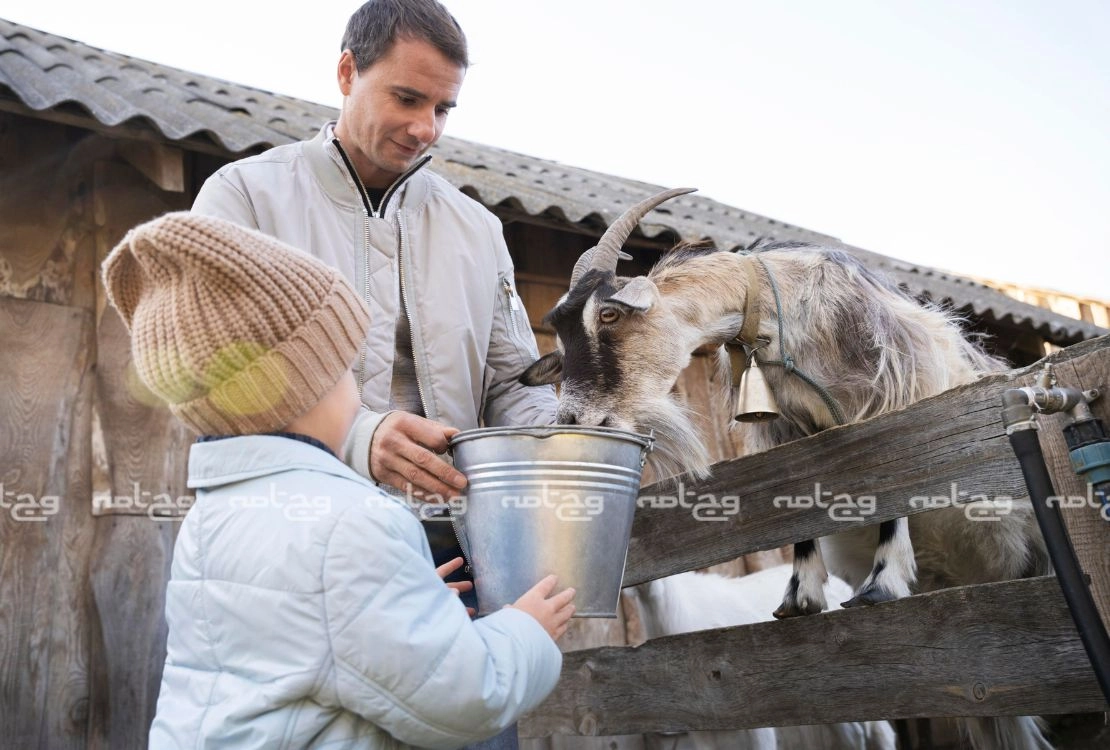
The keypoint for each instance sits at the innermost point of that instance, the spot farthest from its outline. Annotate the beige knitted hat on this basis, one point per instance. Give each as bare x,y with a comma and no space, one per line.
236,331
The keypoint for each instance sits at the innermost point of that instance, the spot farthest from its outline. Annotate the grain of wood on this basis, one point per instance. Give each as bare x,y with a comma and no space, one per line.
144,456
903,460
142,449
41,228
1090,534
44,523
131,565
994,649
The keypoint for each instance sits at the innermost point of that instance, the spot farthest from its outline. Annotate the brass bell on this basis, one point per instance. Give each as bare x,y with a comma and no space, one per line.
756,402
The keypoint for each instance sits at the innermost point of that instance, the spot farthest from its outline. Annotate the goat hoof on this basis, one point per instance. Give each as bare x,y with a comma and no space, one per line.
868,596
796,609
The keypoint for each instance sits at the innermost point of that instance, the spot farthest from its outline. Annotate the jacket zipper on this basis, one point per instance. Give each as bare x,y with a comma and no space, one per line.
367,212
392,188
408,314
512,307
401,180
365,292
366,205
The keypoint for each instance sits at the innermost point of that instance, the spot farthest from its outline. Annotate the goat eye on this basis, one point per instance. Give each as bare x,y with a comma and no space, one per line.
608,315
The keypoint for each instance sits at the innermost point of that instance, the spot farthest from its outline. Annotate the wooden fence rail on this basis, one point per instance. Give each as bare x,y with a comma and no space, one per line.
901,459
994,649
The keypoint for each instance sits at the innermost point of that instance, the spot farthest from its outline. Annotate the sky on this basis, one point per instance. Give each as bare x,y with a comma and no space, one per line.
968,136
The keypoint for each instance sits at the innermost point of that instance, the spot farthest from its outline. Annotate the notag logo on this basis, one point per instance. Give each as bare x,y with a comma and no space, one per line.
27,507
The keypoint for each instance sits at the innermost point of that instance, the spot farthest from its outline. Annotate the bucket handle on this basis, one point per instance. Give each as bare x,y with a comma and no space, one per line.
648,447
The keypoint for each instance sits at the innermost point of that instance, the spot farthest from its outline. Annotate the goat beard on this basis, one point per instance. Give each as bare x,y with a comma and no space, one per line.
678,447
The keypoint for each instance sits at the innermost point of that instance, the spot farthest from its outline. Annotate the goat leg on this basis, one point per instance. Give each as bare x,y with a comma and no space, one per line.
805,594
895,569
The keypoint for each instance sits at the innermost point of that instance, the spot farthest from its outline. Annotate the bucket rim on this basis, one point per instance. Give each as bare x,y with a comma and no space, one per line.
546,431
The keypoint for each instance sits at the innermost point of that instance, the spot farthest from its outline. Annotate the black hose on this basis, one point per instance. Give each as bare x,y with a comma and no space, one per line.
1072,581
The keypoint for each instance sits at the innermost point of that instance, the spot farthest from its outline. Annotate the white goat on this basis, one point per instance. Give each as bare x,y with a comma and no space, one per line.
865,348
689,602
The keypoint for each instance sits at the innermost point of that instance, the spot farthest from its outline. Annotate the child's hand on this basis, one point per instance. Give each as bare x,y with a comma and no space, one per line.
458,587
551,611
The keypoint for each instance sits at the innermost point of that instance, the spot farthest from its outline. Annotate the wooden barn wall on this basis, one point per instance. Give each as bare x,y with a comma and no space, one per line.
81,629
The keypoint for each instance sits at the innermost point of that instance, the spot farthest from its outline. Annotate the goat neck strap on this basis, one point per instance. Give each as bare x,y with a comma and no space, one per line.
749,334
743,346
750,329
737,362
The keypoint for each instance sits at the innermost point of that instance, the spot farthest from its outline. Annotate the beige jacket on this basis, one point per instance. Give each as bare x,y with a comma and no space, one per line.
470,334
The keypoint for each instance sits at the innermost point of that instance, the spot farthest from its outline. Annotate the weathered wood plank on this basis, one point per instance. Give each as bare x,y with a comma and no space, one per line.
162,164
539,294
563,742
41,228
44,523
1090,534
140,450
70,681
142,454
130,568
989,650
586,633
884,468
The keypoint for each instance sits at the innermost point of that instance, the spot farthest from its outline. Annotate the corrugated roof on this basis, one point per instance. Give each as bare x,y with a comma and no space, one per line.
48,73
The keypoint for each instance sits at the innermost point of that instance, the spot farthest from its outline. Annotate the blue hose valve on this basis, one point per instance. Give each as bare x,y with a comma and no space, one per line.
1089,449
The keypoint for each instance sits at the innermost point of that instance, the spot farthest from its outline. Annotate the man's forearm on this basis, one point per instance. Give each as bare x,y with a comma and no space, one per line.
356,449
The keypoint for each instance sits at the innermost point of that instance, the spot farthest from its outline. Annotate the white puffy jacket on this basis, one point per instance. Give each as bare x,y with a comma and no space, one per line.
304,612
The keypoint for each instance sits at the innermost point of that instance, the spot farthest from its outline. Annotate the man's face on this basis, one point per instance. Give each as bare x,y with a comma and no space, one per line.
395,109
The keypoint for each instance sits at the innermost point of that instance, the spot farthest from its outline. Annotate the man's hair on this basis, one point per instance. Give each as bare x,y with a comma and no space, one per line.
375,27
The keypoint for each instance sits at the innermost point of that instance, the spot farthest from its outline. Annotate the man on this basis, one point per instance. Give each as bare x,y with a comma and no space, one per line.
449,335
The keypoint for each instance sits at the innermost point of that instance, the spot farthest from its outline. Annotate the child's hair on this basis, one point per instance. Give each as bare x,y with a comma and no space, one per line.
238,333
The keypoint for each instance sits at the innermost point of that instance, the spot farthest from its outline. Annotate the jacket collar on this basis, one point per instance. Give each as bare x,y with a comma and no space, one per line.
236,459
327,166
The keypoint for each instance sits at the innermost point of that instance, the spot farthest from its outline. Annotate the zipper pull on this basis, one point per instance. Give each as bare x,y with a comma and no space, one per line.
514,301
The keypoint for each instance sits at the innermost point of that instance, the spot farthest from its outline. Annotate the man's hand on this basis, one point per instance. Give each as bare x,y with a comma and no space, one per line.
403,454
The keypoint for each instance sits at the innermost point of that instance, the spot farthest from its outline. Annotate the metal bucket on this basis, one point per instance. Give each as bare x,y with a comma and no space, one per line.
544,500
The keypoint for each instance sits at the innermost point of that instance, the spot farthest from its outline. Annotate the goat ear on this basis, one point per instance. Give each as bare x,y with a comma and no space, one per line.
546,370
638,294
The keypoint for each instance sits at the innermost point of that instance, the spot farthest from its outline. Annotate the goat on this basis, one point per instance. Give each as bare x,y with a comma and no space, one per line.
689,602
864,346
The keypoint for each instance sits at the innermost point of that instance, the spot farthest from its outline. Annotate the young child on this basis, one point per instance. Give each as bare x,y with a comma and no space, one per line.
303,606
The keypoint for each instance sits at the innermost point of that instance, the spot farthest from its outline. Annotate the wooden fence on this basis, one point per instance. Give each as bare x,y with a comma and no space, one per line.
1005,648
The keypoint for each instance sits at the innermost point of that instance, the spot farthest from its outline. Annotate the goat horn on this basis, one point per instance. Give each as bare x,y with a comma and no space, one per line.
583,263
608,250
